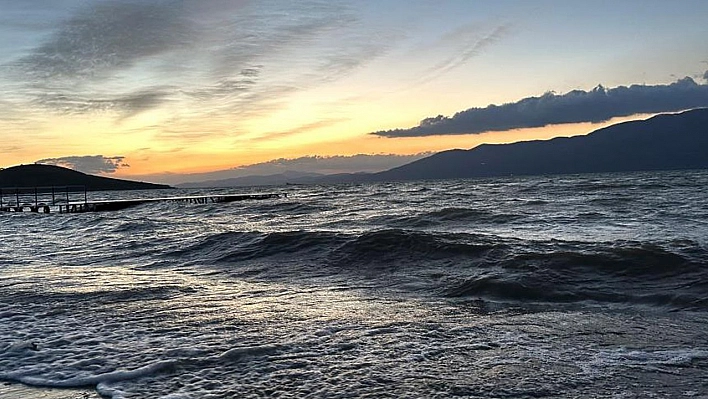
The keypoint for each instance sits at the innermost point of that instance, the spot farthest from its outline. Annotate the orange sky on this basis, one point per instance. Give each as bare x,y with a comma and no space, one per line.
184,162
199,86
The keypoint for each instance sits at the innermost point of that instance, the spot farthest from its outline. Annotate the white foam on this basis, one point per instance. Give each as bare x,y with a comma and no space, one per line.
20,346
176,396
659,360
93,380
237,353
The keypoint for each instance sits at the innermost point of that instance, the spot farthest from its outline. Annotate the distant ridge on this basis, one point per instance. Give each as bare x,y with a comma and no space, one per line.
37,175
254,180
663,142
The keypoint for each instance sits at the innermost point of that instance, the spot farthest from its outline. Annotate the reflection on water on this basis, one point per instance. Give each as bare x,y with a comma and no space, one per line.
563,286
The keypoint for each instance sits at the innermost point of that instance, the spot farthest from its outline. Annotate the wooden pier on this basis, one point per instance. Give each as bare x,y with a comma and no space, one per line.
63,200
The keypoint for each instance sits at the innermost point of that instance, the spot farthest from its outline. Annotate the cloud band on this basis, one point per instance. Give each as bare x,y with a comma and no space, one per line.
88,164
597,105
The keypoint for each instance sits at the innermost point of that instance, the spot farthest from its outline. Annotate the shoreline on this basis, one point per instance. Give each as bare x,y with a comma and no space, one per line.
12,390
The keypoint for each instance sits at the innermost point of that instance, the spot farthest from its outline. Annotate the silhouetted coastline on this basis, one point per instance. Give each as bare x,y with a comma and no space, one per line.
37,175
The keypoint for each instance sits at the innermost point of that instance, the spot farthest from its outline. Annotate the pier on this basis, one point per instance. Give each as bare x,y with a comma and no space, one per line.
74,199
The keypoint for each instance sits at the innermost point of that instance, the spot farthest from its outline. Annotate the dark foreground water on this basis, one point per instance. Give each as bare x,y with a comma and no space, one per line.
561,286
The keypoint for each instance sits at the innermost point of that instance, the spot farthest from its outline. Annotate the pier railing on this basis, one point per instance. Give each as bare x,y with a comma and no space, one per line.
40,199
74,199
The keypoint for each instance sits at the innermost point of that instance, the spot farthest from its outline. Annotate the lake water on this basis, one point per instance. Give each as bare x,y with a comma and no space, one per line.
552,286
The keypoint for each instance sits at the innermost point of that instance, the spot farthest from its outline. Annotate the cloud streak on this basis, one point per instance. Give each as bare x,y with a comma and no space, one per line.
472,46
92,164
126,105
222,57
321,124
577,106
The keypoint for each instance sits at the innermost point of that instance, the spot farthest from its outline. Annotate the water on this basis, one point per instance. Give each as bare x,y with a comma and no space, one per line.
554,286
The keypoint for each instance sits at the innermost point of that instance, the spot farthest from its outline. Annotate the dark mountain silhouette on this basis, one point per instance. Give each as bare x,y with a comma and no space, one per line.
36,175
663,142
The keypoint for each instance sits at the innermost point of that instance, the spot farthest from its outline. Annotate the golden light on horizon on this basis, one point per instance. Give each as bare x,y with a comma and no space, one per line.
206,87
185,160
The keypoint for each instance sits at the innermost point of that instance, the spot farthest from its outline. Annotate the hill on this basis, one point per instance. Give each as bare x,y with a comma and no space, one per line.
663,142
36,175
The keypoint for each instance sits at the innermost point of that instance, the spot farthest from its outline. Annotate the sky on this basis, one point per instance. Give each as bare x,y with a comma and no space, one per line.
171,88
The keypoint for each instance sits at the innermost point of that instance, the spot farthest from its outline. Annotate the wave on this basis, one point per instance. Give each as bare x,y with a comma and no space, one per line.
445,216
290,208
535,202
396,247
242,246
388,244
526,290
619,273
458,265
135,226
644,260
475,215
612,201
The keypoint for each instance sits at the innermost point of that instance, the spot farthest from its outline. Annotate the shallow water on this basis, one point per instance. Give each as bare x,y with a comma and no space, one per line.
553,286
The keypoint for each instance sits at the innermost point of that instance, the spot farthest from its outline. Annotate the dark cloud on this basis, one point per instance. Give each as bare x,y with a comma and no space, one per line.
126,105
226,57
577,106
88,164
135,103
274,51
106,37
80,66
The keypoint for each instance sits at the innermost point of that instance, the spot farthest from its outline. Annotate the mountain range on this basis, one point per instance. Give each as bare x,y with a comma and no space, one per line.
663,142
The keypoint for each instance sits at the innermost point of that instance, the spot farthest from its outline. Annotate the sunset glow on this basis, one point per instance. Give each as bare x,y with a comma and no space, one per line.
174,87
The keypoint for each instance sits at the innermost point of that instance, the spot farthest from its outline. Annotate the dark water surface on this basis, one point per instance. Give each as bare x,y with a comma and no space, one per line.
553,286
